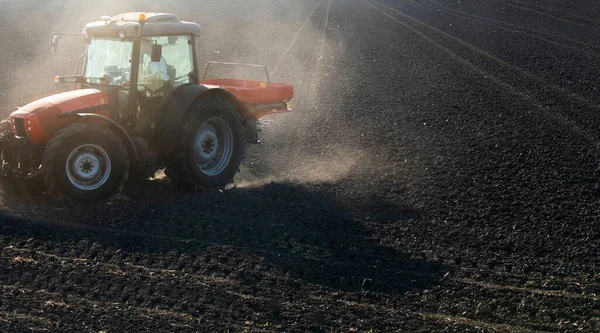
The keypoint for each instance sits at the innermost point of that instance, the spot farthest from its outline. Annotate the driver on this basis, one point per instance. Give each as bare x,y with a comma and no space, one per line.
152,74
154,77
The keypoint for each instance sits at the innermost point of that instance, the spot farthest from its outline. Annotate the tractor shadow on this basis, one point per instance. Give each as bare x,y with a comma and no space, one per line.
304,232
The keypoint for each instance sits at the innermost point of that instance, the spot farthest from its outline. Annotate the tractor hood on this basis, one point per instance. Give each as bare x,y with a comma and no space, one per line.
66,102
37,121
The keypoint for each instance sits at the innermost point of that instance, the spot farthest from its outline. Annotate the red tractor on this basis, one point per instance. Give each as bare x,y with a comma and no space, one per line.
138,105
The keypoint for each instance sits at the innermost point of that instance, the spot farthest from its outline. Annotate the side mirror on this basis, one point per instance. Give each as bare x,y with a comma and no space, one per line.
54,43
156,53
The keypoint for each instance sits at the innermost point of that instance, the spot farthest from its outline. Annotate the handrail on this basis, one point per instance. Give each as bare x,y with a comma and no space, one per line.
238,64
77,68
54,38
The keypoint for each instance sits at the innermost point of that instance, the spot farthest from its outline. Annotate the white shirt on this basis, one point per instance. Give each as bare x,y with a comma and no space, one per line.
151,67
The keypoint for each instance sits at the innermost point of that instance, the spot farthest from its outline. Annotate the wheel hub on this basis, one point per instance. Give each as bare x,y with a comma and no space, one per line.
207,145
88,167
213,146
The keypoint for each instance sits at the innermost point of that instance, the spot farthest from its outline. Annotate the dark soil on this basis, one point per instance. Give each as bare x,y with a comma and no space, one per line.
439,173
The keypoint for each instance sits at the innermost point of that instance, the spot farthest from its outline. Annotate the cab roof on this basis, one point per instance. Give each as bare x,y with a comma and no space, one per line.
156,24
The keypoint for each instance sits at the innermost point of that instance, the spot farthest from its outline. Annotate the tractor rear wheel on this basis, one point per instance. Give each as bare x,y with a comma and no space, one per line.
86,162
211,146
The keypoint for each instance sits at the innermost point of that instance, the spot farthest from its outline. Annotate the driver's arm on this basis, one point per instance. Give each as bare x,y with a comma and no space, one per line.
154,80
159,76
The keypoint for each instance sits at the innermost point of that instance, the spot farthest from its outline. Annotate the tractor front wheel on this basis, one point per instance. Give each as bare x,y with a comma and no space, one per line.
85,162
211,146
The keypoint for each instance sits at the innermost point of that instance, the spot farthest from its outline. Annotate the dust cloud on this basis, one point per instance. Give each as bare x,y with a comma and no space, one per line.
313,143
312,169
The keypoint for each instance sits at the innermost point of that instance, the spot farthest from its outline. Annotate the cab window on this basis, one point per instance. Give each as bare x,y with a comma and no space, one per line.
177,55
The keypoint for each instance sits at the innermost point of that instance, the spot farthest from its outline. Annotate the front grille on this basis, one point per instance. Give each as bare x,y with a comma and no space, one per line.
20,126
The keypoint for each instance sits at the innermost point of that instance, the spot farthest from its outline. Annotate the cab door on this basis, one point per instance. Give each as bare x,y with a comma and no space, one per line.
107,68
165,63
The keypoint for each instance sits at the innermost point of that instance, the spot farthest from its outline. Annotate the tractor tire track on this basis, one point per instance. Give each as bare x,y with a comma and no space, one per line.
222,25
541,13
320,51
561,119
477,324
498,60
529,32
534,291
281,17
547,10
470,305
294,39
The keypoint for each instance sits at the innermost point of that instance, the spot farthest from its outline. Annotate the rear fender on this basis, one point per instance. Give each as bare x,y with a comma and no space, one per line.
179,104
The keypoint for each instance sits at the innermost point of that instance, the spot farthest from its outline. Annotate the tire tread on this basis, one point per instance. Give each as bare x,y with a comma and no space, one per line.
63,136
177,169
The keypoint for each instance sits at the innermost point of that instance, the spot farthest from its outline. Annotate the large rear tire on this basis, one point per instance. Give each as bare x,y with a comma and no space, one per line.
211,146
85,162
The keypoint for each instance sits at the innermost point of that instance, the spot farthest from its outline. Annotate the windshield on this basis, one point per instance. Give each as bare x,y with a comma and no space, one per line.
109,61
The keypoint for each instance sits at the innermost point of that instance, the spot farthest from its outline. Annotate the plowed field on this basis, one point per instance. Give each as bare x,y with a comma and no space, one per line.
440,172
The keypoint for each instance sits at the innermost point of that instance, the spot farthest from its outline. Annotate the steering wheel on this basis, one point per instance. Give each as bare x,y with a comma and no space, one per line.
114,76
148,92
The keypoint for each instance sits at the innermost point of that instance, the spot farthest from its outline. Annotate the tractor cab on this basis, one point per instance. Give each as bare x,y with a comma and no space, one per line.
138,60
